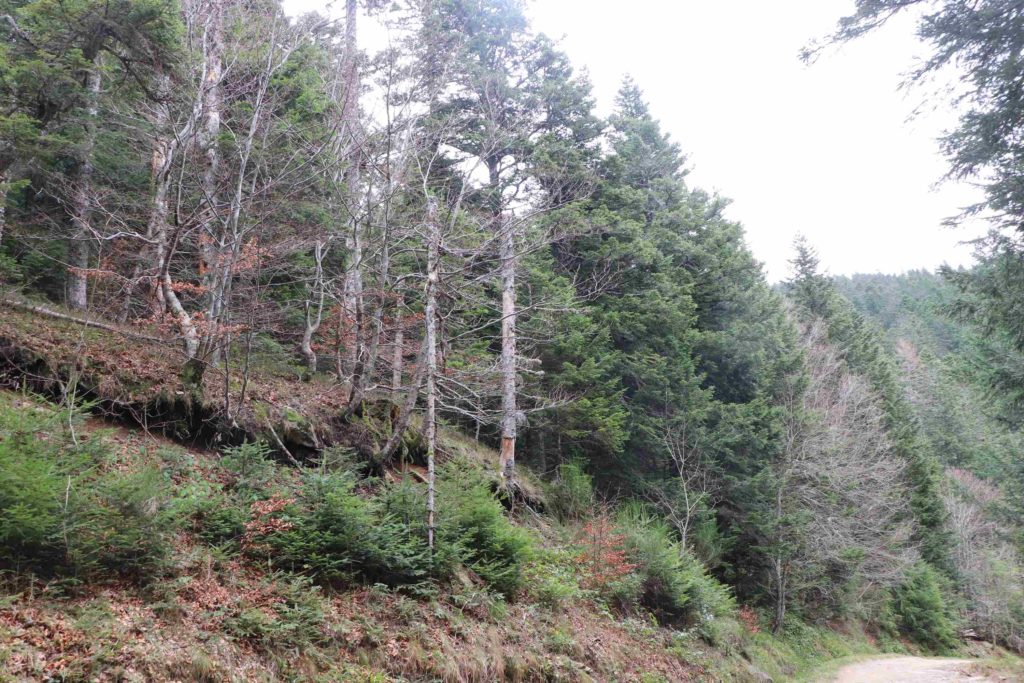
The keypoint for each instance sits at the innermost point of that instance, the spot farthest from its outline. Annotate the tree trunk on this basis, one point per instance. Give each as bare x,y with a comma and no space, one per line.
430,319
401,422
211,235
186,326
368,365
509,409
81,197
314,309
349,366
4,187
780,597
398,354
165,145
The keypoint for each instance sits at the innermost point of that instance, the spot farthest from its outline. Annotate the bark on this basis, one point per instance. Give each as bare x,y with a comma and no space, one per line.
314,308
430,319
186,326
211,238
368,366
398,353
349,366
4,187
82,197
401,422
509,409
780,597
165,145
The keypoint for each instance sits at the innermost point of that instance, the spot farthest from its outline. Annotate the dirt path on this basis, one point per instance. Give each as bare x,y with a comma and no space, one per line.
910,670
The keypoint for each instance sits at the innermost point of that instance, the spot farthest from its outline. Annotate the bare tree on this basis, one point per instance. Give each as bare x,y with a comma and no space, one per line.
81,204
840,518
990,568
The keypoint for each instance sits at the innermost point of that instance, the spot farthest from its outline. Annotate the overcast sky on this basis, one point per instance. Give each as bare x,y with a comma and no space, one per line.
825,150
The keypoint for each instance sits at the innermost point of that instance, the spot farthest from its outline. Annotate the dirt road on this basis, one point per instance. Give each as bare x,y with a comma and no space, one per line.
910,670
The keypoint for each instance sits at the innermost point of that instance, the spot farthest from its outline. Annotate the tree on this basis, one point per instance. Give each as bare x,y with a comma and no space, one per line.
983,40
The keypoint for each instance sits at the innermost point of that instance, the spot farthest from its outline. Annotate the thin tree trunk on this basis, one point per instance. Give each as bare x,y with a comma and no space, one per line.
780,597
430,319
4,188
81,198
398,353
164,147
186,326
368,366
314,309
509,409
349,365
401,422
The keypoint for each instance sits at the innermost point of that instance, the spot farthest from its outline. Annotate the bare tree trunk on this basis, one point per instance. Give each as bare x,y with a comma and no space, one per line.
398,354
780,596
81,198
368,365
186,326
4,188
211,237
509,410
353,285
314,308
401,422
164,147
430,315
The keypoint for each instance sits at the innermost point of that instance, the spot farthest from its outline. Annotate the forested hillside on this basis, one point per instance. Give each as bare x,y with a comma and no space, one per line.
329,363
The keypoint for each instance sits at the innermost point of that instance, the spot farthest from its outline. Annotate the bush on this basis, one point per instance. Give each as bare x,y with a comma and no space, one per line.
123,520
672,585
337,535
571,495
62,513
216,517
293,617
551,578
250,467
922,611
473,524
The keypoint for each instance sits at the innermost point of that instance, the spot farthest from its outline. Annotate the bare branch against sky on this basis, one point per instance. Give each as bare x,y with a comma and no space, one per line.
828,150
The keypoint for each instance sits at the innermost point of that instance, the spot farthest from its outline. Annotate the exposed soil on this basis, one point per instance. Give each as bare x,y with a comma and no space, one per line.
911,670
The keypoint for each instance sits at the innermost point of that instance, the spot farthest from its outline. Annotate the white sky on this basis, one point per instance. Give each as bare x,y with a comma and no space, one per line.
825,150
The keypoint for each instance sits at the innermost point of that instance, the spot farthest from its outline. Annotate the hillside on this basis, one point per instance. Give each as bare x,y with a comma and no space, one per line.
325,361
200,594
203,591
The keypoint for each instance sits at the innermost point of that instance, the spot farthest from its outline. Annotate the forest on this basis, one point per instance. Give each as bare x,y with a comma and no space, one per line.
325,359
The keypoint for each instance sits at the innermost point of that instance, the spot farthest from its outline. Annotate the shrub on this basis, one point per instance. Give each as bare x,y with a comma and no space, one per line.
251,468
672,583
61,513
216,517
550,578
290,615
123,520
337,535
922,611
571,495
474,524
